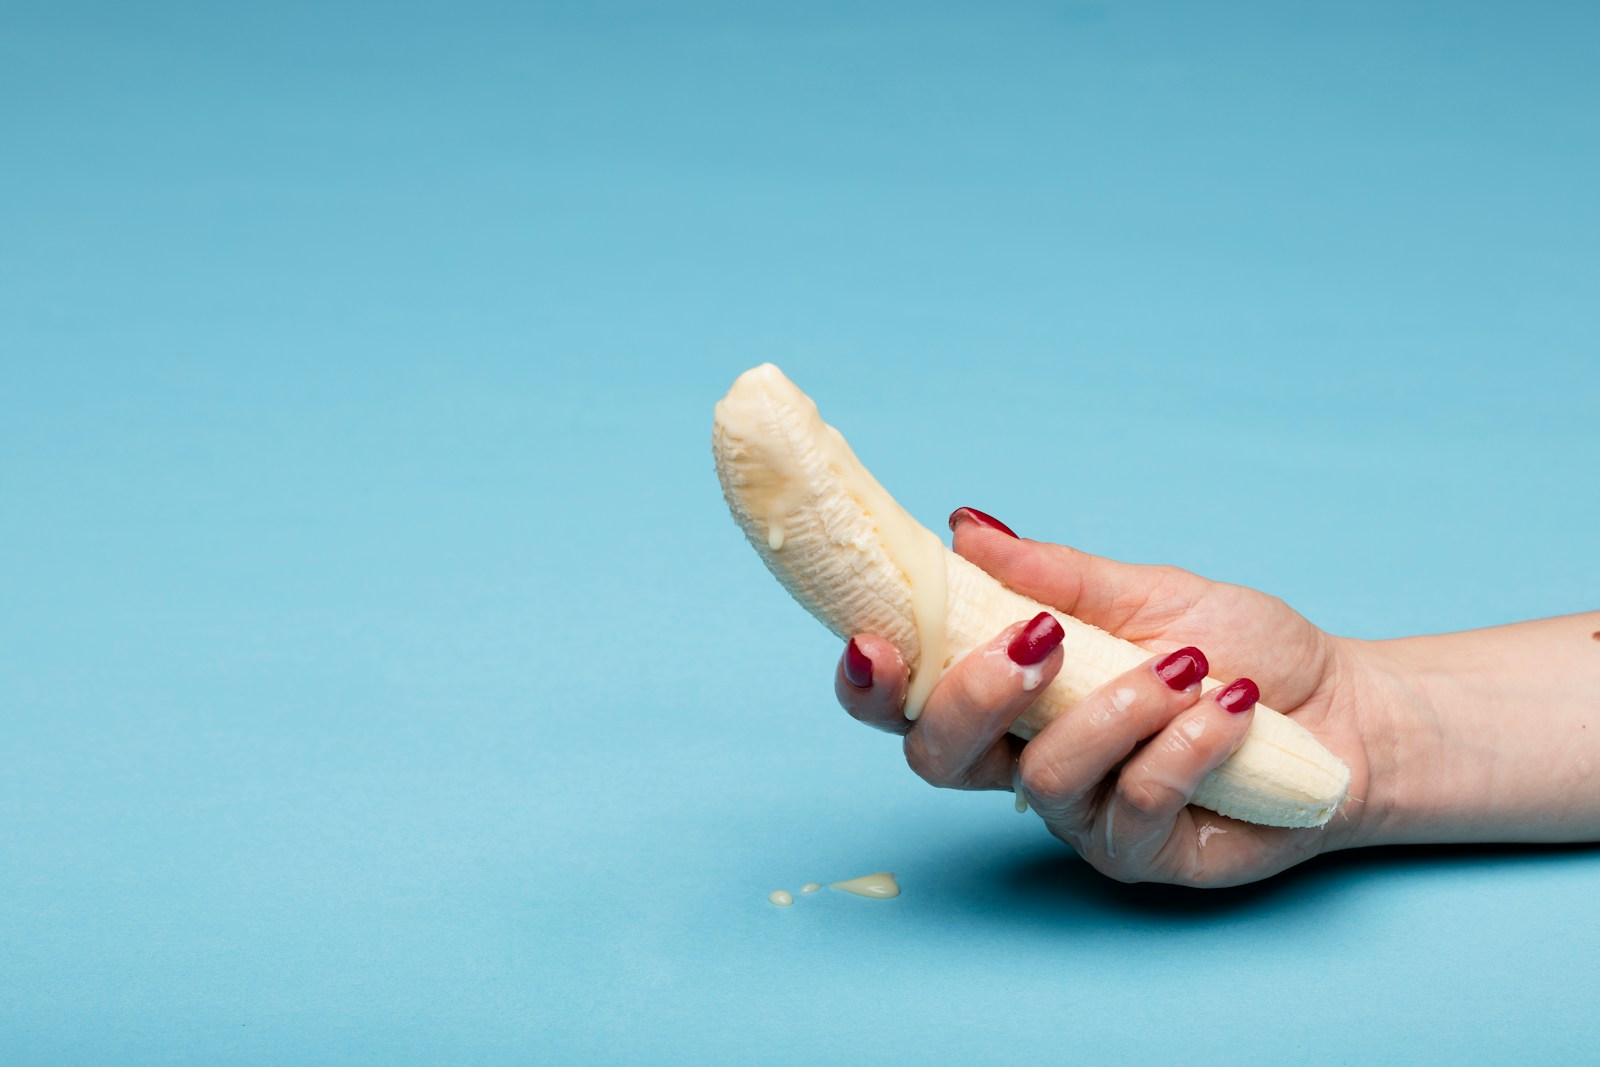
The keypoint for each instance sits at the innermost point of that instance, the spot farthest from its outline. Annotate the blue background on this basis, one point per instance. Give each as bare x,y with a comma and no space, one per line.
382,680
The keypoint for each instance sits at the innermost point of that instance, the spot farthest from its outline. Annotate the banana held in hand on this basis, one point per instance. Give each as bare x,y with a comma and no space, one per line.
853,558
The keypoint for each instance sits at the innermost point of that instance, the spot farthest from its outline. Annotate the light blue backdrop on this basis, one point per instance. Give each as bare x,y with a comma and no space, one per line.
381,679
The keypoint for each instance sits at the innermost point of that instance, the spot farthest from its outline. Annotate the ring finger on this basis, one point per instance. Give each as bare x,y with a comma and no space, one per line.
1063,767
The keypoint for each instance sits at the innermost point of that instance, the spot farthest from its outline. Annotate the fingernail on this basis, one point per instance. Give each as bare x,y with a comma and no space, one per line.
1183,668
1036,641
1239,697
857,666
961,515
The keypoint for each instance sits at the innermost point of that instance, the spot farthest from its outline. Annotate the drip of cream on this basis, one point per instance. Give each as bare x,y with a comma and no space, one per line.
781,898
810,887
880,886
919,554
1016,787
786,485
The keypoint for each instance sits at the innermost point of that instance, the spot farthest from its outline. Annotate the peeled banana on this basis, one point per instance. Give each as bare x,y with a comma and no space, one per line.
855,559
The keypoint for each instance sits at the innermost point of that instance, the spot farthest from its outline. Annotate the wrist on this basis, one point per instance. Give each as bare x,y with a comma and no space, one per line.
1483,735
1409,783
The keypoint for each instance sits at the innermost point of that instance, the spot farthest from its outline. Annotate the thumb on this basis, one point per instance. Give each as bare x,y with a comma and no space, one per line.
1119,597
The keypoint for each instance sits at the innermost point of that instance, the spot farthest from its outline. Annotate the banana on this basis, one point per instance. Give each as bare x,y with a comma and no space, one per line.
853,557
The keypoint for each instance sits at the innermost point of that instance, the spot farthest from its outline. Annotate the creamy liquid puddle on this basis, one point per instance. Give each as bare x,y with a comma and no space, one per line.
880,886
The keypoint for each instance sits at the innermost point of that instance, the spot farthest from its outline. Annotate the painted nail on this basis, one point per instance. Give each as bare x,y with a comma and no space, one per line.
1239,697
1036,641
857,666
961,515
1183,668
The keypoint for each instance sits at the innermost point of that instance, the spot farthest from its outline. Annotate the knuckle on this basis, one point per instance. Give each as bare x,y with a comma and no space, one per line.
1171,583
1169,591
1045,779
1146,798
1166,574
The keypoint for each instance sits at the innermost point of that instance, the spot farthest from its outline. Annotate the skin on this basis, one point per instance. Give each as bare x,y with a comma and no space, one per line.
1489,735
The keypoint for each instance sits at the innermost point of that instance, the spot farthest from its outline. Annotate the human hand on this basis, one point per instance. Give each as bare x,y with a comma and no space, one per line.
1113,775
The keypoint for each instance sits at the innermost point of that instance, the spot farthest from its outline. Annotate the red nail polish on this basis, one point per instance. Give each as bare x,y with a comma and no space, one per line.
961,515
1183,668
857,666
1036,641
1239,697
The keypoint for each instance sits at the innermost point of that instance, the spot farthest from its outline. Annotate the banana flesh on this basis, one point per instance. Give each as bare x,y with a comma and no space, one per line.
853,557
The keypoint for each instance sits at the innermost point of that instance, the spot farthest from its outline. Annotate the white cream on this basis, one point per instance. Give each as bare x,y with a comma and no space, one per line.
775,536
810,887
880,886
1029,677
919,554
781,898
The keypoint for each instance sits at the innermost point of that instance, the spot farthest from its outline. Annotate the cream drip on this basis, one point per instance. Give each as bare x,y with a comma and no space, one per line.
781,898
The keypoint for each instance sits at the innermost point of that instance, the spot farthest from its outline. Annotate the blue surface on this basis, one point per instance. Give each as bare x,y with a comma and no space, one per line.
383,681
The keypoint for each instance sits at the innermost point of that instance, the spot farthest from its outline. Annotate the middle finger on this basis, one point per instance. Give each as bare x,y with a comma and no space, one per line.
959,739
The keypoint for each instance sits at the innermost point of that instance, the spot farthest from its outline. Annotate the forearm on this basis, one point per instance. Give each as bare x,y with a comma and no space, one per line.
1487,735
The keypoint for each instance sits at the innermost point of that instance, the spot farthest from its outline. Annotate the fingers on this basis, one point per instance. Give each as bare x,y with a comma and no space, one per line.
959,740
1063,768
1099,591
1113,776
870,682
1154,788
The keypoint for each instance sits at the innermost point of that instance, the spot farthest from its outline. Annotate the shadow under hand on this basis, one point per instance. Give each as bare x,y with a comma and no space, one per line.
1045,883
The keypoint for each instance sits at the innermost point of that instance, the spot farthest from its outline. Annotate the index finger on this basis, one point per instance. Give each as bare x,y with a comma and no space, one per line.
870,683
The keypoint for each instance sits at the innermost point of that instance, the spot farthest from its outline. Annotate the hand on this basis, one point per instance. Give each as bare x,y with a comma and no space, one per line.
1112,776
